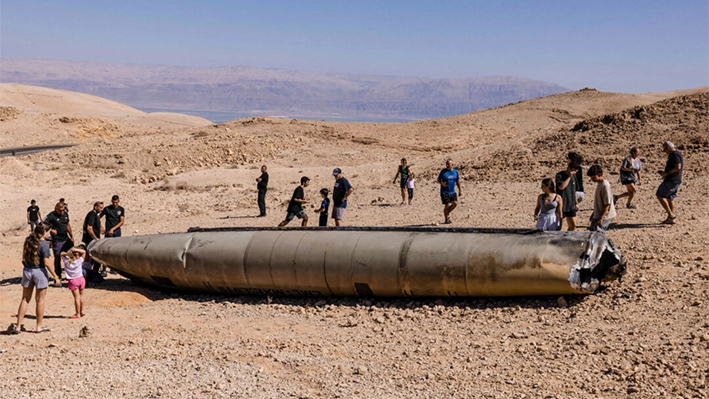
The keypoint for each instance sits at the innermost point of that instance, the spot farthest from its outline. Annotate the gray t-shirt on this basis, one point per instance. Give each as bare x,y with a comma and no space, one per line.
603,198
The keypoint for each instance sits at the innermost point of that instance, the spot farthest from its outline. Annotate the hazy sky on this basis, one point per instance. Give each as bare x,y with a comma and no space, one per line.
624,46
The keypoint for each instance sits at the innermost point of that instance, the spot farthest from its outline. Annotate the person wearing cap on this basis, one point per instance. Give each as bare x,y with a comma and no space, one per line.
92,231
115,216
60,229
343,189
448,179
672,179
262,187
295,206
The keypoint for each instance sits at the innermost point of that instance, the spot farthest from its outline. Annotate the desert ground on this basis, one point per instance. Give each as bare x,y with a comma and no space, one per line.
642,337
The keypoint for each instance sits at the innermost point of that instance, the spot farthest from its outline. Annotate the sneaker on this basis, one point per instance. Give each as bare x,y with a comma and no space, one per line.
631,206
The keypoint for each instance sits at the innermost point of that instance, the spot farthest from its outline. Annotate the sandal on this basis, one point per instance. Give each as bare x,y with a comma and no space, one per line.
448,221
12,330
83,315
74,316
43,330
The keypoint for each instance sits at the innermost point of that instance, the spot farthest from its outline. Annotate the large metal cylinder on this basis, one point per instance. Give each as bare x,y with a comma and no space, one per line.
388,262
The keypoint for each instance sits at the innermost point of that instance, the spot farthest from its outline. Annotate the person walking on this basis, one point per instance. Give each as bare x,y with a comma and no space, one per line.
603,207
262,187
343,189
115,217
33,215
574,157
671,180
448,178
566,184
403,174
629,176
60,229
35,261
547,213
92,231
295,206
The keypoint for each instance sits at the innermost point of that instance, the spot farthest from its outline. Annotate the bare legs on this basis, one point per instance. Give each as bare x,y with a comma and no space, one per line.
24,304
571,223
447,209
78,301
630,193
669,206
338,223
403,196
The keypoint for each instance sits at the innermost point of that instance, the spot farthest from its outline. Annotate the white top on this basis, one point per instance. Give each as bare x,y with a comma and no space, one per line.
410,183
73,269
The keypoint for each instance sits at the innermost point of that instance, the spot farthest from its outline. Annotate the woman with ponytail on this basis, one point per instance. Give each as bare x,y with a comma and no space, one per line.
35,259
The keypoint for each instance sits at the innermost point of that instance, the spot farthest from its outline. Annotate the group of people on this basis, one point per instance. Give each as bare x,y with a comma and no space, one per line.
560,197
53,235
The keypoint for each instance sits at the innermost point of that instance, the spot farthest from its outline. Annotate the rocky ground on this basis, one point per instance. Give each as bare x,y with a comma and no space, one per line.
645,336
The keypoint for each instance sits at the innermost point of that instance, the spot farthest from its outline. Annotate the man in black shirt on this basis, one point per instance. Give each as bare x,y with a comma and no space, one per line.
60,229
262,186
33,215
295,207
92,230
115,216
672,179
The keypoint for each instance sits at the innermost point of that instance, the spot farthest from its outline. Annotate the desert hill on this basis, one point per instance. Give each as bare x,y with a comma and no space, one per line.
646,336
258,92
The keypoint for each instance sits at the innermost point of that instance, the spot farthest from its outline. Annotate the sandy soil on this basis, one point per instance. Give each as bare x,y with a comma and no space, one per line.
646,336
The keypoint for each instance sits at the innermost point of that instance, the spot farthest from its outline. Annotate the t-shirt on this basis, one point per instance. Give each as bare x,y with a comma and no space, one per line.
113,215
59,223
404,172
73,268
295,206
263,184
674,159
34,213
449,176
603,198
43,253
569,193
324,207
92,220
628,163
410,183
342,186
579,180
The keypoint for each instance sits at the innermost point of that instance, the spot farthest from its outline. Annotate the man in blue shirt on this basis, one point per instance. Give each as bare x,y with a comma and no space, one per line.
342,190
448,179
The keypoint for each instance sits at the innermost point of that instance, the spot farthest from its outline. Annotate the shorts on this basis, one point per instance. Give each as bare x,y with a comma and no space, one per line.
410,191
402,183
626,182
570,214
116,233
77,283
447,198
580,196
338,213
600,227
301,214
35,277
668,190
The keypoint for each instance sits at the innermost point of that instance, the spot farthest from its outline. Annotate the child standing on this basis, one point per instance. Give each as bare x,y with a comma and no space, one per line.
550,204
73,262
410,185
324,207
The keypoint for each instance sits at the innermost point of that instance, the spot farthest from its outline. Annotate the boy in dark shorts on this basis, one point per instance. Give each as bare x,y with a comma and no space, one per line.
566,185
33,215
449,179
324,207
295,207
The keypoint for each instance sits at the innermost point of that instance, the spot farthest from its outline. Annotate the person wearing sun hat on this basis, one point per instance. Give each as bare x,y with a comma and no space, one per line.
343,189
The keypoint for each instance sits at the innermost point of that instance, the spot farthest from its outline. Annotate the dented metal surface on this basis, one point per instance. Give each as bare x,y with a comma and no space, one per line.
387,262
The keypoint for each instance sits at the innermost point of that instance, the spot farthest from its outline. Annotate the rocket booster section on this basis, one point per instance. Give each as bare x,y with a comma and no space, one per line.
367,261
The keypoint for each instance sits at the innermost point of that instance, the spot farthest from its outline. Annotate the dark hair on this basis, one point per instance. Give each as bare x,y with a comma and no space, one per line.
634,149
574,165
304,179
114,198
403,159
33,202
325,192
595,170
29,249
549,183
575,157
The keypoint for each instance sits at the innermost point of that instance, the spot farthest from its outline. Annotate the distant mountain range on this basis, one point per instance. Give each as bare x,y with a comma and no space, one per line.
230,92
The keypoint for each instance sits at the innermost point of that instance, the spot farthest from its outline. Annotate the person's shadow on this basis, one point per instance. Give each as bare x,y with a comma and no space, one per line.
621,226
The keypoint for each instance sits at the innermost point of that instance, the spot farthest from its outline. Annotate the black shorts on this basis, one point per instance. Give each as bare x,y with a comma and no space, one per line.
570,214
626,182
448,198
